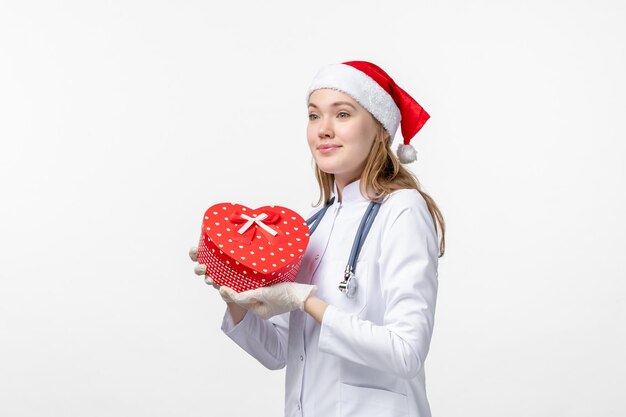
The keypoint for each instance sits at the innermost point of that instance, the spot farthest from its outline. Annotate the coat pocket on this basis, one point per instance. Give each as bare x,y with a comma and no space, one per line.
366,401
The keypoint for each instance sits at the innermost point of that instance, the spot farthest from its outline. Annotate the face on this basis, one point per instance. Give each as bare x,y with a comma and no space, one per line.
340,133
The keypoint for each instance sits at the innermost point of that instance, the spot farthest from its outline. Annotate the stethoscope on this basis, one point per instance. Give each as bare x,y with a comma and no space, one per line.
349,284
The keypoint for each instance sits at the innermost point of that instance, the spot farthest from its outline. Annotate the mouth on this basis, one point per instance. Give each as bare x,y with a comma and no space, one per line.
327,148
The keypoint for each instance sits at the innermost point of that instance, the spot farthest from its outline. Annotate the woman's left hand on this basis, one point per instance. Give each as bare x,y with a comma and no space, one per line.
272,300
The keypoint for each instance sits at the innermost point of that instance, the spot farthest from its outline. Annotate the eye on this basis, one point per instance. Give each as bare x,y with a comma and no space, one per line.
343,113
312,116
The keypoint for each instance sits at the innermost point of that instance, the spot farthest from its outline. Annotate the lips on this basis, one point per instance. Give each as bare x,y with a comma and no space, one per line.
327,148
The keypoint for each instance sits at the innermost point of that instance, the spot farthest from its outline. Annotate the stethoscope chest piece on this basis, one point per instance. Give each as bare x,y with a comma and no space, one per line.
349,283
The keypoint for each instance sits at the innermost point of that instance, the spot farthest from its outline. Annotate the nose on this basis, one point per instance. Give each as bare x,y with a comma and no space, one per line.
326,130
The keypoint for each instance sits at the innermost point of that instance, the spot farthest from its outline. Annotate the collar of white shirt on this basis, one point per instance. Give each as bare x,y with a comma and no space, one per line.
351,193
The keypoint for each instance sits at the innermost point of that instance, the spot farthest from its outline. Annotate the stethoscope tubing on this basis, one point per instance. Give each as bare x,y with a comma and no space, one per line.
349,285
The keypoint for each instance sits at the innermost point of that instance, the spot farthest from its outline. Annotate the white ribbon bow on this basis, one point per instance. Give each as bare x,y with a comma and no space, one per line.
259,222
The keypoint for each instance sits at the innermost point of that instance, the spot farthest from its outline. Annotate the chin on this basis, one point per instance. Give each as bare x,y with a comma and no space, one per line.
327,170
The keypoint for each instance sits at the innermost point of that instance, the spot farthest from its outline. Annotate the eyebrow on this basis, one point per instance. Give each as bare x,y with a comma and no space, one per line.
335,104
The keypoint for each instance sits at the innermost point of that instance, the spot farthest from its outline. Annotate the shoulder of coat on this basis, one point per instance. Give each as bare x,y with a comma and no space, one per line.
400,200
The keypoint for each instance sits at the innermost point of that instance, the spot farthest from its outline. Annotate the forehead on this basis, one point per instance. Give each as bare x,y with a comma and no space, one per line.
327,96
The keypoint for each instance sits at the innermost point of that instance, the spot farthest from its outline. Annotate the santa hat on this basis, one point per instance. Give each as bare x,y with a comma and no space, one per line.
374,89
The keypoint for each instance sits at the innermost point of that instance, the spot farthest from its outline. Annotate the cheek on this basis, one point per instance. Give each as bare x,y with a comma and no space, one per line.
365,142
359,136
368,135
310,136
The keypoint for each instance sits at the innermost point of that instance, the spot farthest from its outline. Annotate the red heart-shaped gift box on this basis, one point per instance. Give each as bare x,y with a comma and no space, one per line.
245,248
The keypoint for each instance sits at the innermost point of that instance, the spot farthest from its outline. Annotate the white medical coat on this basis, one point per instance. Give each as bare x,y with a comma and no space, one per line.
367,356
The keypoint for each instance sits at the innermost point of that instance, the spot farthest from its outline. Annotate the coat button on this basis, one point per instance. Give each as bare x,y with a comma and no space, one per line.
301,358
298,406
317,257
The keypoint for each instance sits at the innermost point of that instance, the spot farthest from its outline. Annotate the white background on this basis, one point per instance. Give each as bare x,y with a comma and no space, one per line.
122,121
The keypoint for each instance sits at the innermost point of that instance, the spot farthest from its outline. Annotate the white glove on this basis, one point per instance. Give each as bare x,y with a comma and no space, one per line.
201,270
269,301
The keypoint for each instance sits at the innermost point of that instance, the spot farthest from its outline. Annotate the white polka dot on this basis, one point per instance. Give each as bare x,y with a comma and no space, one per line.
293,218
218,234
280,248
215,212
217,224
206,218
232,251
272,253
243,258
262,259
295,228
260,247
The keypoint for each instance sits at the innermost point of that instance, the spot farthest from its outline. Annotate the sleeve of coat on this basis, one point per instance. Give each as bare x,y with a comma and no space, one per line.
265,340
408,272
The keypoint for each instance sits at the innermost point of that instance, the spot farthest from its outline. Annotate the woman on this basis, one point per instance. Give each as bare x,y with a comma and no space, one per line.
353,352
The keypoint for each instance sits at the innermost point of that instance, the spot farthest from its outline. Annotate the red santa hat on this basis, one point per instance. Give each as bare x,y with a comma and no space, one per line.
378,93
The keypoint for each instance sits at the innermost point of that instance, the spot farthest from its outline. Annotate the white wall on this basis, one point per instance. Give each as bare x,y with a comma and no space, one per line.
122,121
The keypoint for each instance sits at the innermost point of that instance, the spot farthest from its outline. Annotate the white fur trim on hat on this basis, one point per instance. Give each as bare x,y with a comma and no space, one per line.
362,88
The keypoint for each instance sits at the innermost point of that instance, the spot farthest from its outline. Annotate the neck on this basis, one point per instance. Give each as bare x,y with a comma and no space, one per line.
341,183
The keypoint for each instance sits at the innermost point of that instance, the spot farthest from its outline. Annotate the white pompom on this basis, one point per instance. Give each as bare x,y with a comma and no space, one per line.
406,153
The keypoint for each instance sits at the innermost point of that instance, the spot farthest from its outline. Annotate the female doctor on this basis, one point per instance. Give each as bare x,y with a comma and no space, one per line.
353,331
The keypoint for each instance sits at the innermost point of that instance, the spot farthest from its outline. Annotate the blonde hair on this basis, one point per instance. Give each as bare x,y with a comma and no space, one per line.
383,174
